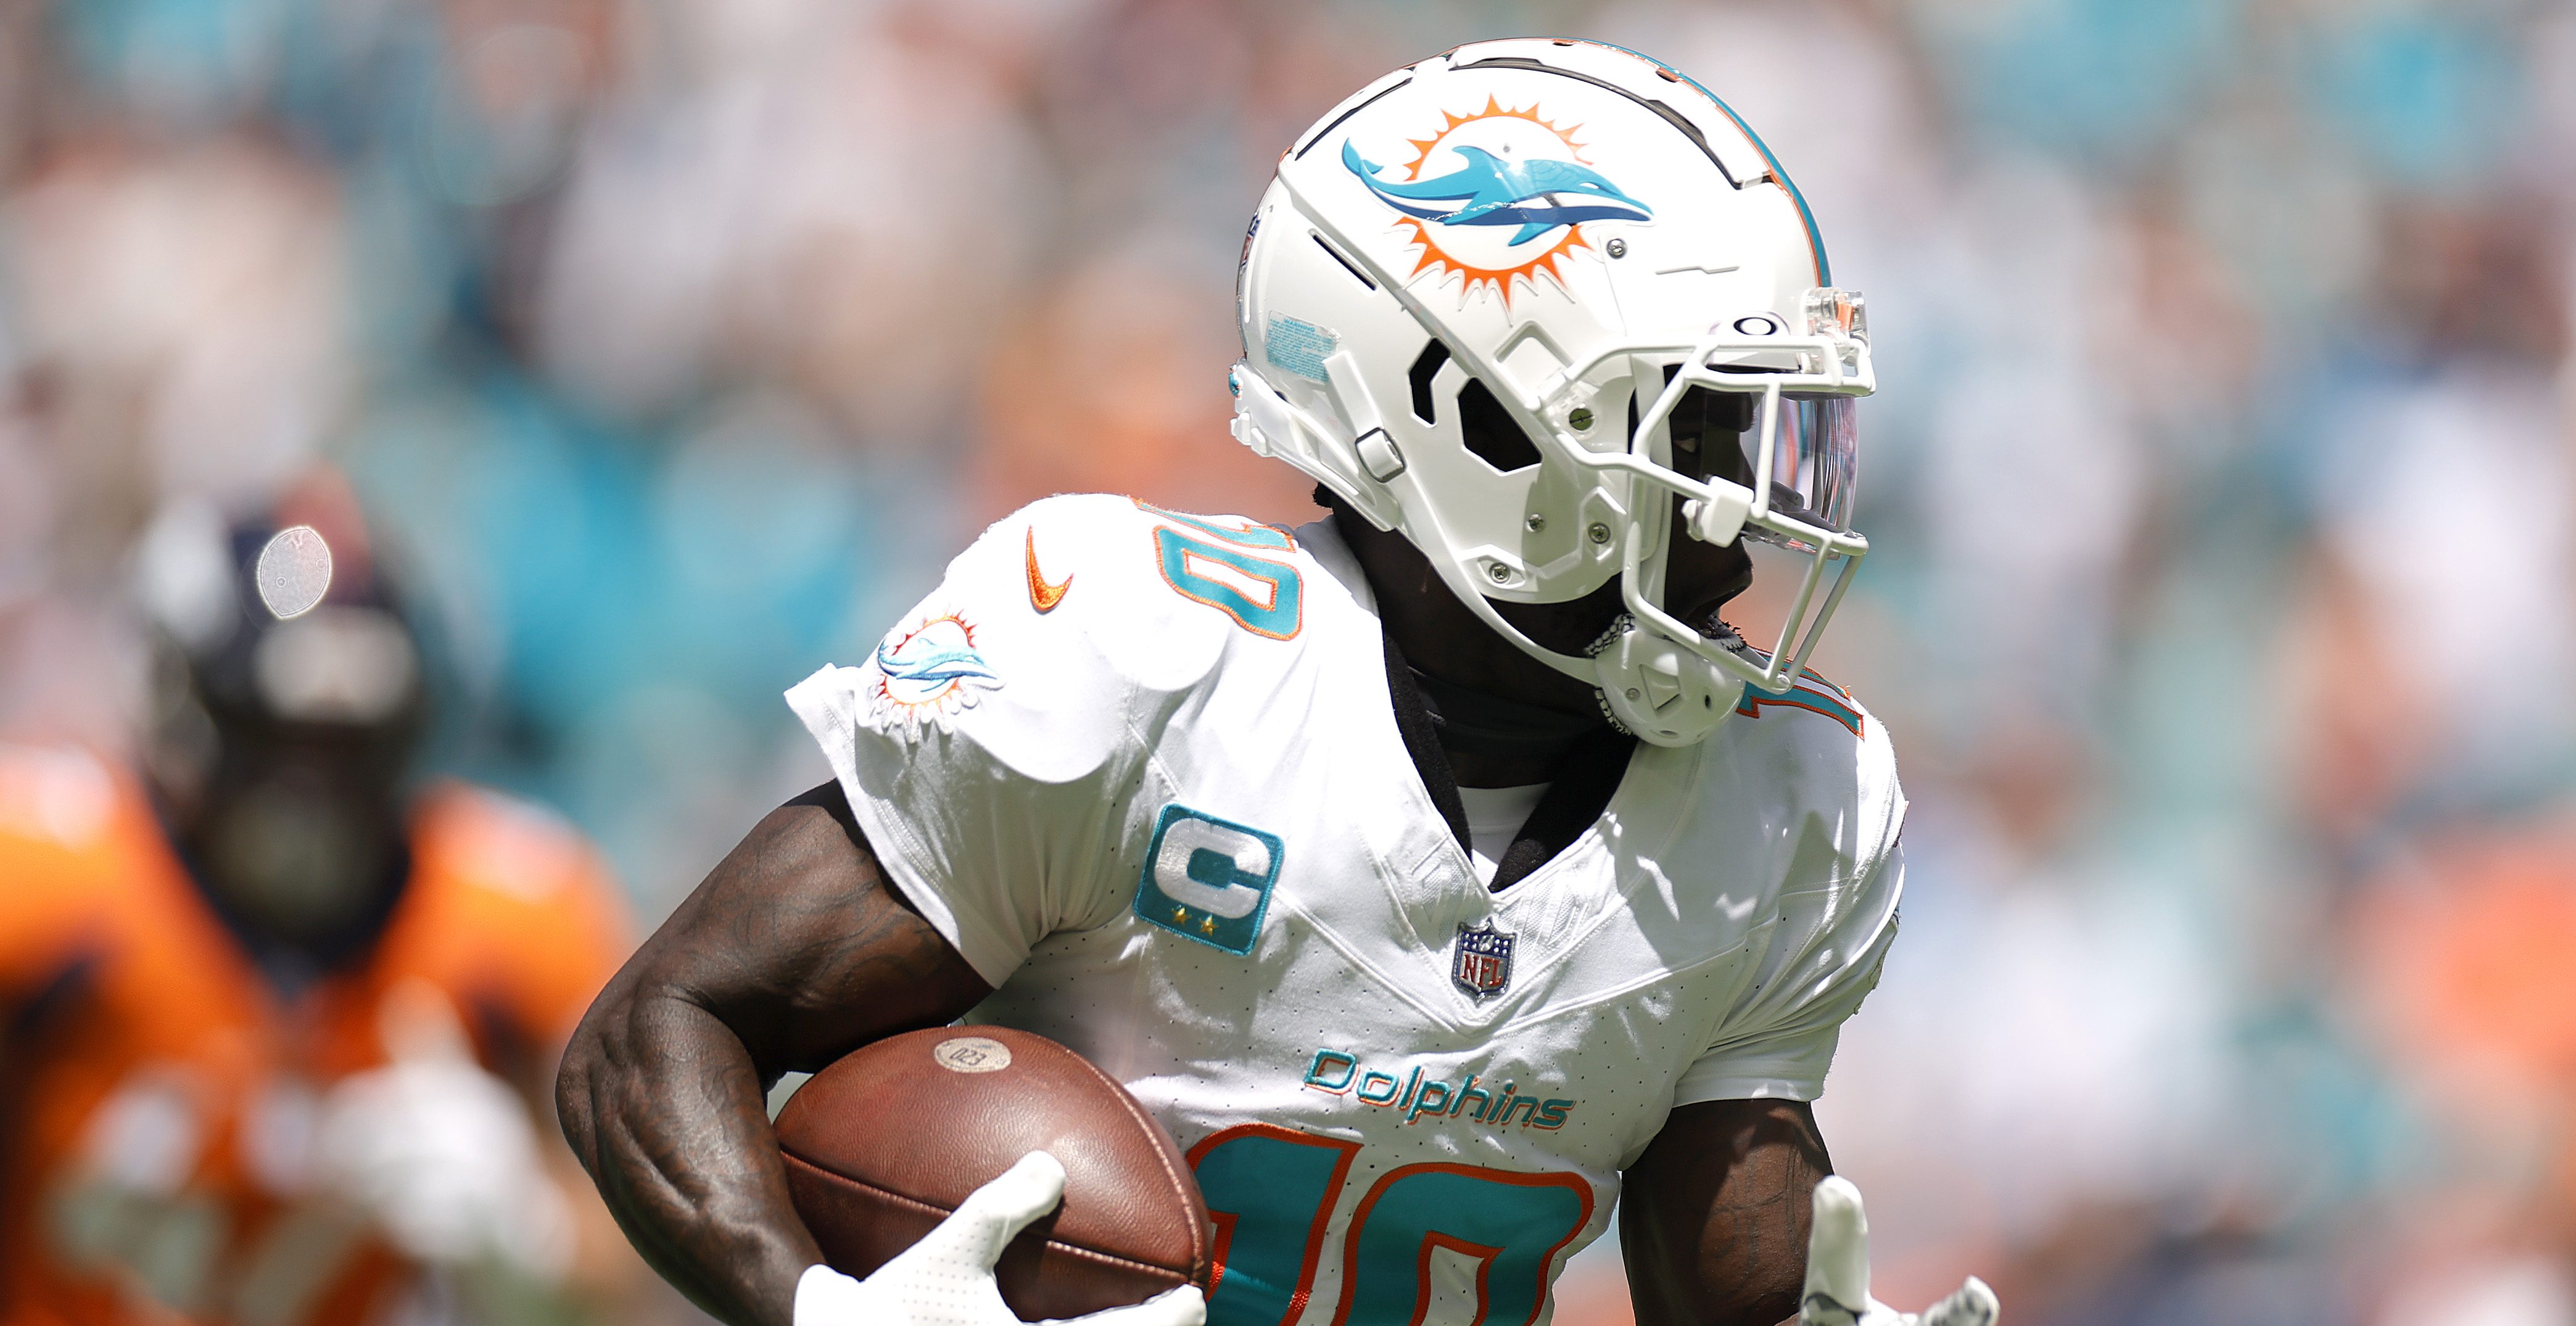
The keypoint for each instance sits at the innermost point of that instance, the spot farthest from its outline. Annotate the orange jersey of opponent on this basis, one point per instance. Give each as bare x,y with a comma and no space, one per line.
158,1095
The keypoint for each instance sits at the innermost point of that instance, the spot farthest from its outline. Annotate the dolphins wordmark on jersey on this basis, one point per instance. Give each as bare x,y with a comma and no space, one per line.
1170,818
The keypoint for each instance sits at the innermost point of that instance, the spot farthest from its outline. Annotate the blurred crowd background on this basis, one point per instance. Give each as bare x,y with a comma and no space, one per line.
674,345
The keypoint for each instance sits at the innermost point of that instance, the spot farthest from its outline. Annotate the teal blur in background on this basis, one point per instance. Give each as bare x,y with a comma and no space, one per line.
2223,600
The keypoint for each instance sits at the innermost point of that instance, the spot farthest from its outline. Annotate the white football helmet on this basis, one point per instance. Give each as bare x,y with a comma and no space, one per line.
1581,242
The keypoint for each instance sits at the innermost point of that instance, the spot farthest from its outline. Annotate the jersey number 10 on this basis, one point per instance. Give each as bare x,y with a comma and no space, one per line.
1263,596
1272,1191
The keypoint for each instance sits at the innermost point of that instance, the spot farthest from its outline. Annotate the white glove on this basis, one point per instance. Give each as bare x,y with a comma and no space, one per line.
1838,1273
441,1153
947,1278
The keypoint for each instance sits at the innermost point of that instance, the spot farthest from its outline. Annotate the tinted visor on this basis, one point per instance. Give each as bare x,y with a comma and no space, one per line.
1814,450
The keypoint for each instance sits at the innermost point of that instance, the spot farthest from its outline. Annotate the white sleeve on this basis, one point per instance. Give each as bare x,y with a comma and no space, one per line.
1824,958
985,749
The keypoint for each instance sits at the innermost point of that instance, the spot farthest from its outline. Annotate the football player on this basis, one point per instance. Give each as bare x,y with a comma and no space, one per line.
1438,873
273,1029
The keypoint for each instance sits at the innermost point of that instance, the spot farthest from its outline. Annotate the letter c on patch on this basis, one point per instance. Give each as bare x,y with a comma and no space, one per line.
1212,886
1208,879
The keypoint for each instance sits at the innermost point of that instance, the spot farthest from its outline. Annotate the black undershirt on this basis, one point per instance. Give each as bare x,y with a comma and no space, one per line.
1579,787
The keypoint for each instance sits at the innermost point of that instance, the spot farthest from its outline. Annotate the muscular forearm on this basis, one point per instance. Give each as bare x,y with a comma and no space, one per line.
793,952
664,1107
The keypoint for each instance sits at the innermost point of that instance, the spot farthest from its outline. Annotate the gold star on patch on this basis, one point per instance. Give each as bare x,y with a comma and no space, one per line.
1208,926
1180,913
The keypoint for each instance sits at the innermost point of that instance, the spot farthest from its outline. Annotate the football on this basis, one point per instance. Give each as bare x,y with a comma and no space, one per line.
887,1141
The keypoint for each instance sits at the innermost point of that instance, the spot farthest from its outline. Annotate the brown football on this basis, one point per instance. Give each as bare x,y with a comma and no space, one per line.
886,1142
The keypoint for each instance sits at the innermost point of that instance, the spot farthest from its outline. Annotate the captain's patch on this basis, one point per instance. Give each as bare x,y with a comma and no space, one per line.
1208,879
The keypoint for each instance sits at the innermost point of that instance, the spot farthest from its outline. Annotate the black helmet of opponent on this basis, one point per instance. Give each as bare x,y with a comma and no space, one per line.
287,703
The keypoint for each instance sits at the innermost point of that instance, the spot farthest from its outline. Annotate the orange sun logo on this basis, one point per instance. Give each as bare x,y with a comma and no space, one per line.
931,670
1519,130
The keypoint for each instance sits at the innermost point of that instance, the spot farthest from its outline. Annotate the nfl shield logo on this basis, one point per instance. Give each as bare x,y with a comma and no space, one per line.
1484,962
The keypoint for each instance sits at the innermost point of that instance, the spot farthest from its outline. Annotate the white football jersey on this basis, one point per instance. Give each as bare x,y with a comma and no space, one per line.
1142,769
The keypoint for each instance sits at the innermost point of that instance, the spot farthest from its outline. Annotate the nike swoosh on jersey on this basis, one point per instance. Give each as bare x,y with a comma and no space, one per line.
1043,596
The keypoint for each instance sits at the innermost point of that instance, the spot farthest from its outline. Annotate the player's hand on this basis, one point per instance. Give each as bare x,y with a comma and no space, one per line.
441,1153
947,1278
1837,1291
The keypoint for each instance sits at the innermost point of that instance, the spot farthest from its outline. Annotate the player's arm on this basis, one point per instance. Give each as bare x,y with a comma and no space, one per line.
1732,1216
794,951
1713,1218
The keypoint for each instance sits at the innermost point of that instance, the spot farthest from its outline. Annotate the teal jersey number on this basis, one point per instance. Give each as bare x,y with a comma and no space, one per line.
1513,1224
1262,596
1272,1190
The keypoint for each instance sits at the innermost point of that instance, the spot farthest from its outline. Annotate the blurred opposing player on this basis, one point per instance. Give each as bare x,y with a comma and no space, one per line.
1436,872
266,1021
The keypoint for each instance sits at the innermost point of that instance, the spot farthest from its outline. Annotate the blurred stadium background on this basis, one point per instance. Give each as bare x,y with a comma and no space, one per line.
676,344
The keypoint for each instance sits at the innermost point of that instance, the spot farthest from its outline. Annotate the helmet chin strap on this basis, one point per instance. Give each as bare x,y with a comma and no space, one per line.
1455,577
1572,665
1657,672
1662,690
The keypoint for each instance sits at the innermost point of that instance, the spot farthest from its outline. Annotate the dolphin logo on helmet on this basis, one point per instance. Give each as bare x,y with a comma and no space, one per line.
1489,191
